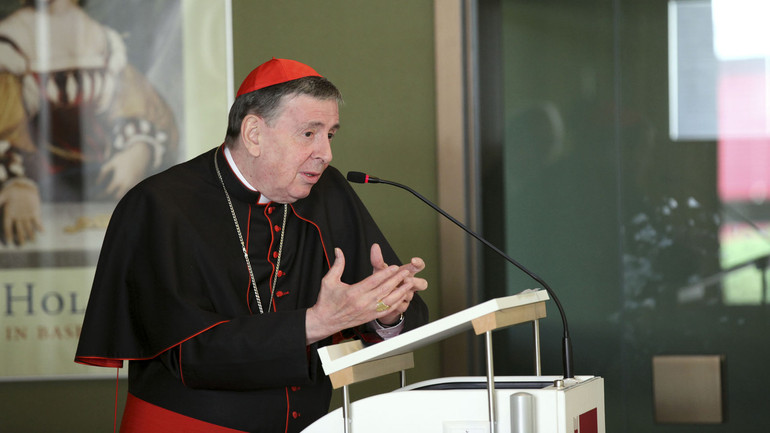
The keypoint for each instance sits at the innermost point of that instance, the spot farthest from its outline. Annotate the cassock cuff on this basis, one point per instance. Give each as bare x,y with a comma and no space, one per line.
386,332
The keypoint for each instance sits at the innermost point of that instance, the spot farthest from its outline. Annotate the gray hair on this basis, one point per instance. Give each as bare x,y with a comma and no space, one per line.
268,101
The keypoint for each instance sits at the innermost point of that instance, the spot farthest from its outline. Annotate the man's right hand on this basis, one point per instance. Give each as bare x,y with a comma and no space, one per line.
341,306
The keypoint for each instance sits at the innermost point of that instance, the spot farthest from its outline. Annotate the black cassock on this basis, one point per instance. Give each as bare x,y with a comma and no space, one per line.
172,295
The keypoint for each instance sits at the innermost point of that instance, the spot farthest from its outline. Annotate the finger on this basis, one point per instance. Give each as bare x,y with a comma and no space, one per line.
375,257
405,291
415,265
27,229
8,230
398,300
418,263
37,224
379,284
419,284
392,283
397,307
120,191
401,296
338,267
102,173
20,233
112,188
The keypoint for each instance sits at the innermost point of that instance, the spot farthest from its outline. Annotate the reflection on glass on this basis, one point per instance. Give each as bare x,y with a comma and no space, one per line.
737,117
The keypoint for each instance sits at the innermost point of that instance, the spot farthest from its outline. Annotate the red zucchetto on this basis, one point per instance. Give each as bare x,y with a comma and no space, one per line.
275,71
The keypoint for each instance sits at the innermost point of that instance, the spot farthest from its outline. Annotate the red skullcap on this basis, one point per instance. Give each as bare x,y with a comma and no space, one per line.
275,71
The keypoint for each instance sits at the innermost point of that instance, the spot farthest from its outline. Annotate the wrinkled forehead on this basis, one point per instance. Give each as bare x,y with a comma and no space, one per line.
309,109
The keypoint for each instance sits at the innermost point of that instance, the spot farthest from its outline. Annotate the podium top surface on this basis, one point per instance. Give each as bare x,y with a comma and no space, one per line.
341,356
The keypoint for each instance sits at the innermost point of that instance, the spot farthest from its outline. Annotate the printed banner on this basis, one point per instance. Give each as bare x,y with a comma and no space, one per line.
94,97
42,315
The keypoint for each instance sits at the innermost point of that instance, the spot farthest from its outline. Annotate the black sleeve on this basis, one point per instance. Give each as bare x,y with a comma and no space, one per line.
247,353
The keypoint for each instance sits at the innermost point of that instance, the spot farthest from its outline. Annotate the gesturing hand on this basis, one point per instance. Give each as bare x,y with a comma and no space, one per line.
398,300
341,306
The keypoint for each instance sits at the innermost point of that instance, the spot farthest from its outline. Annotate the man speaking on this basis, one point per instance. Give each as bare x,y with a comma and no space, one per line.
220,277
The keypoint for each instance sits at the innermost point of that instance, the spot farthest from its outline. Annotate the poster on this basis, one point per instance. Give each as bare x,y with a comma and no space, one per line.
94,97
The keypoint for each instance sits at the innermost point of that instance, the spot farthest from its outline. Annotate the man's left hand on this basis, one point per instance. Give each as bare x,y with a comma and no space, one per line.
397,300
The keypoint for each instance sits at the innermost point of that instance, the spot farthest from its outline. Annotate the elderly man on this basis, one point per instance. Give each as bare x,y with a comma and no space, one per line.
220,277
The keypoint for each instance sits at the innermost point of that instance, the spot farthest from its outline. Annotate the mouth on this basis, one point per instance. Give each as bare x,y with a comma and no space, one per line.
312,176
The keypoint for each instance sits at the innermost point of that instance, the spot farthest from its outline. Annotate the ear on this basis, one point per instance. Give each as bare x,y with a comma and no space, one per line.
250,134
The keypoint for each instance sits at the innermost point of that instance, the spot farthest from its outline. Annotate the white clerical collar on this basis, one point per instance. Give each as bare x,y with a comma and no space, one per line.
234,167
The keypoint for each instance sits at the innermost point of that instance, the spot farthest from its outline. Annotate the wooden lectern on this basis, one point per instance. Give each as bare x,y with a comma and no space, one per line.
452,405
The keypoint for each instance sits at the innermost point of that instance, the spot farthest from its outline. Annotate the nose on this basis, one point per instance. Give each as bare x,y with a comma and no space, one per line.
324,150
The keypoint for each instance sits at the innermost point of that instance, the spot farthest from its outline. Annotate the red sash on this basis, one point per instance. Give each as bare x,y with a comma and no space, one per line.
142,417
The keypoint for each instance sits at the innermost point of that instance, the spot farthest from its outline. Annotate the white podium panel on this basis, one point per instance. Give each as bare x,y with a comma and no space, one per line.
345,361
460,405
543,404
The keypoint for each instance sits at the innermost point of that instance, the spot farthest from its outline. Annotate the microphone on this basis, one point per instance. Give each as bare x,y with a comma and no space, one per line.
358,177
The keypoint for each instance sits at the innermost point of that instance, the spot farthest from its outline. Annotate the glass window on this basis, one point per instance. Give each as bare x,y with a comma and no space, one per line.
626,160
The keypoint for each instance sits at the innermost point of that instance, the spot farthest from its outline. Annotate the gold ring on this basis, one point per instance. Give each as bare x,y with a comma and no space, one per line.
381,306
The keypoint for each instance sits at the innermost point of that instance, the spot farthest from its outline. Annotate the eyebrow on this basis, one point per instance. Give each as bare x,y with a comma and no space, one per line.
335,127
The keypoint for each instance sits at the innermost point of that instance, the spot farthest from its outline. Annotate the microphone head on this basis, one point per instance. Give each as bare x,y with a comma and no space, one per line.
358,177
